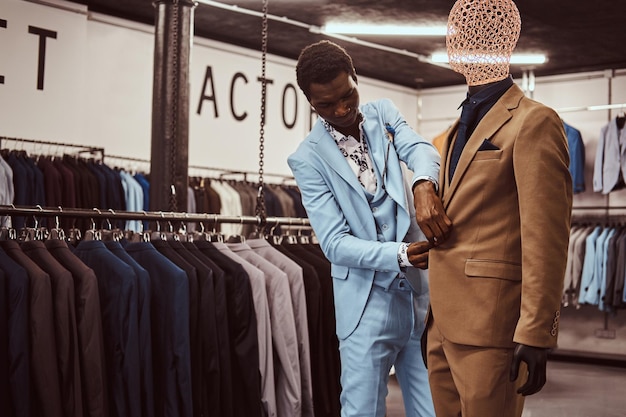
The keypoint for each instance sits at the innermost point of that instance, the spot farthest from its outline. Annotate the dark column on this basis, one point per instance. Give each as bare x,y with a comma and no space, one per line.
169,155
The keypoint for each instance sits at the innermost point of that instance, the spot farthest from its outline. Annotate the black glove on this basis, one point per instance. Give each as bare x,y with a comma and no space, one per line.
536,359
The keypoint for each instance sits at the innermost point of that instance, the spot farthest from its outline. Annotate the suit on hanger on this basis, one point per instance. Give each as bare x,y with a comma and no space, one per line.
146,376
269,343
610,163
45,376
325,346
577,259
89,327
164,247
205,397
620,273
7,190
298,299
117,288
570,282
608,289
6,402
169,317
15,381
63,296
576,148
224,390
244,345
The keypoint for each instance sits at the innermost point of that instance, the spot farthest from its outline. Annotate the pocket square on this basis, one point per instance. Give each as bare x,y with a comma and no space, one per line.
488,146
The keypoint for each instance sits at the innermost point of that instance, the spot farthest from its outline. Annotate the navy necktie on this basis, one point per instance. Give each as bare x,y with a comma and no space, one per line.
461,137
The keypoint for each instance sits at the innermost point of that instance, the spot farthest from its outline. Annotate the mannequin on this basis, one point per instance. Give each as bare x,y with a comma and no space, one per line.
480,39
496,283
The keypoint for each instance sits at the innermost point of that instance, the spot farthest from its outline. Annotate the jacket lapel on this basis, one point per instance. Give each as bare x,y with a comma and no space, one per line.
325,146
497,116
444,179
377,143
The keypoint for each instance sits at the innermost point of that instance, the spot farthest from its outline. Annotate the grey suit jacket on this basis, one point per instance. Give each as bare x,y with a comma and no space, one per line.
610,158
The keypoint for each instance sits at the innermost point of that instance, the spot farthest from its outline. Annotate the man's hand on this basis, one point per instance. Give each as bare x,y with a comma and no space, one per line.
429,213
418,254
536,359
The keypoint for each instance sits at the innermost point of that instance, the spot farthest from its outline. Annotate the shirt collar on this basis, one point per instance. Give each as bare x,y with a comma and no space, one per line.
337,135
488,94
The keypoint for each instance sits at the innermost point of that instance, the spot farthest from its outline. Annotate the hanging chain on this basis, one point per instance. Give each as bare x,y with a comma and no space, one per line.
173,133
260,204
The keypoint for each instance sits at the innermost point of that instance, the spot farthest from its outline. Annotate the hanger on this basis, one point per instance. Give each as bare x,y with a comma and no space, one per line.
237,238
212,236
56,233
93,233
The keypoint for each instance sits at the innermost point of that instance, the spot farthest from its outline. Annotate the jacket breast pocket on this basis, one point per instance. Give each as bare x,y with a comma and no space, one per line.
484,268
486,155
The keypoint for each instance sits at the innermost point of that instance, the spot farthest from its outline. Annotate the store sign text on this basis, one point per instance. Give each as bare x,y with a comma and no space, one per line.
240,109
43,35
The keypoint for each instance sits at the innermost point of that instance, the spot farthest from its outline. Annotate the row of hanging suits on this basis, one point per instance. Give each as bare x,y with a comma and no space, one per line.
166,327
596,267
74,182
71,182
239,198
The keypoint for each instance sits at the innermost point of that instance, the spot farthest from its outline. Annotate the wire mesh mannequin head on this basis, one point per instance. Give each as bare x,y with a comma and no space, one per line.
481,37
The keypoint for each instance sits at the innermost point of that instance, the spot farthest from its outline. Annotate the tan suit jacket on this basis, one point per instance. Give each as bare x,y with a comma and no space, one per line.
499,277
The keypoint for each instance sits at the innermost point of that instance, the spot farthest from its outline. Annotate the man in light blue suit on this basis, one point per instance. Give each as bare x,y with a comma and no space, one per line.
366,219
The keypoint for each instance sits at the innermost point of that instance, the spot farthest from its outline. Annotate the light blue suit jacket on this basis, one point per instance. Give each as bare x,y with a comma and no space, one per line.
341,216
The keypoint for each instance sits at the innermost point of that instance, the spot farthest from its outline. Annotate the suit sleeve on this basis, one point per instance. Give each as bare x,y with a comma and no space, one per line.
420,155
544,187
337,226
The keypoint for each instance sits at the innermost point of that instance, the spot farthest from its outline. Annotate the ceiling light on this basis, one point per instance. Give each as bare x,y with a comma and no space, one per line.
516,59
374,29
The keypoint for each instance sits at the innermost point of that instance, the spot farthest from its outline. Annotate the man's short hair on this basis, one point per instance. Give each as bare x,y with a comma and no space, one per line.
321,63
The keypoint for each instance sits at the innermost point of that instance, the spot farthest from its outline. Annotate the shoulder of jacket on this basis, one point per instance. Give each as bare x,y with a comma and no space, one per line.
381,109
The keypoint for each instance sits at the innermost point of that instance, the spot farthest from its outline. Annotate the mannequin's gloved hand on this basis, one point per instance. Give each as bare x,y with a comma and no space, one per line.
536,359
418,254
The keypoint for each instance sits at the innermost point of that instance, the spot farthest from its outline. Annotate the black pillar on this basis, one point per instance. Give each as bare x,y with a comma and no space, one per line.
169,156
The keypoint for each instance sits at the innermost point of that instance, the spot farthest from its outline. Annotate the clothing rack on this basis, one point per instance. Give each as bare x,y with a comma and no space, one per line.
592,108
561,110
81,148
605,332
223,172
99,150
605,217
151,216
